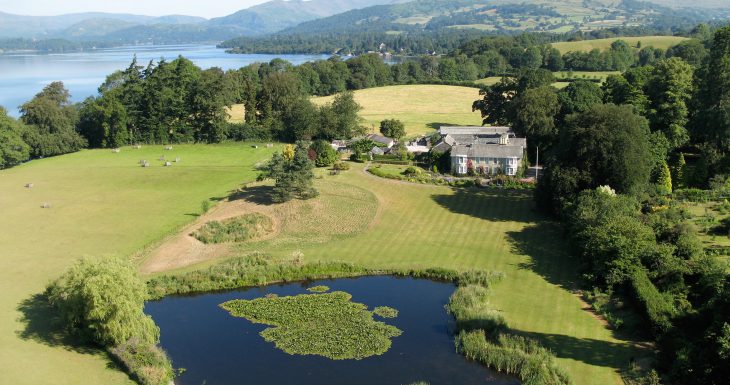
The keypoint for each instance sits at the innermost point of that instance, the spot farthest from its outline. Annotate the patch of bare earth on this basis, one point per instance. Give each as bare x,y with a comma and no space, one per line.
183,249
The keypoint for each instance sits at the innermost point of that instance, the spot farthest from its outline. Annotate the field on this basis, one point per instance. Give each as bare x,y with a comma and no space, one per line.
662,42
422,108
102,204
561,77
390,224
236,113
585,74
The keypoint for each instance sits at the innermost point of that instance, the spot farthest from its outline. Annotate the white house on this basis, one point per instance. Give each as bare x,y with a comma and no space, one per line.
488,150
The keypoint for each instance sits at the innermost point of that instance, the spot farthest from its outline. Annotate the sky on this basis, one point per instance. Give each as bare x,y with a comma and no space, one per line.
204,8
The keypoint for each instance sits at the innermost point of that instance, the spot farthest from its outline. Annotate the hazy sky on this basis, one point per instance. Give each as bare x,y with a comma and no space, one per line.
204,8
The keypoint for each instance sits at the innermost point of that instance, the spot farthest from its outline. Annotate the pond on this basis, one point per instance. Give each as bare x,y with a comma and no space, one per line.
216,348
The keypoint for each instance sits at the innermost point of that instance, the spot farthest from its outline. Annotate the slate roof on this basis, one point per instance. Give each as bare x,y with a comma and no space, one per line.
442,147
377,151
448,139
488,151
380,139
474,130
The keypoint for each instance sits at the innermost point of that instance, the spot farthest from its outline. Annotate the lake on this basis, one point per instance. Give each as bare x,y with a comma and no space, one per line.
217,348
22,75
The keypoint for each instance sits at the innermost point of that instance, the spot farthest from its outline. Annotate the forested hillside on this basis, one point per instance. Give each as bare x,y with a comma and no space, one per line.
434,25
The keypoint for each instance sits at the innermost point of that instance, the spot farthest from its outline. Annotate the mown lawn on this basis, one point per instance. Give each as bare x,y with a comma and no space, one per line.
102,204
381,223
662,42
422,108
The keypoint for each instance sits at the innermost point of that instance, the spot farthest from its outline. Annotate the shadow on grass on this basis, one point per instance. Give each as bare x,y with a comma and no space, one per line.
42,324
490,204
437,125
586,350
260,195
549,256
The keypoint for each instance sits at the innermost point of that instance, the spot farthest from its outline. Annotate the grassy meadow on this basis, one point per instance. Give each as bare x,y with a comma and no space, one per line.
389,224
562,77
422,108
102,204
662,42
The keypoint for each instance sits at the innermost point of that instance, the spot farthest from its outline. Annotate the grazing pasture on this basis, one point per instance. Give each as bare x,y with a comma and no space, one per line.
662,42
101,204
421,108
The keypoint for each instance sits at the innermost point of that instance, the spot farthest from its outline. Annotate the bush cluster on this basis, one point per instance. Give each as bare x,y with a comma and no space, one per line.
240,229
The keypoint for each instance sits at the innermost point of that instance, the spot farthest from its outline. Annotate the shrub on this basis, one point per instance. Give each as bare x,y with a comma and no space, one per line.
412,171
104,300
470,308
238,229
658,309
204,206
147,363
341,166
324,154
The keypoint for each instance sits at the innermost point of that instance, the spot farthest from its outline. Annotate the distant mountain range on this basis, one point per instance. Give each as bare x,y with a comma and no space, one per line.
340,16
506,16
261,19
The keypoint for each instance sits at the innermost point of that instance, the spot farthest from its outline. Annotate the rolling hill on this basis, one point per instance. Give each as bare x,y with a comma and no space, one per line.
506,16
258,20
439,25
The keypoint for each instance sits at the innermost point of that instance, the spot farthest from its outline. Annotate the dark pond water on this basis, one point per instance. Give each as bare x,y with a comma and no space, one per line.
217,349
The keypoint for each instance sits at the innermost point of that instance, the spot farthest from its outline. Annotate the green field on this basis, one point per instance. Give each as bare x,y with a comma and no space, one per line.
422,108
662,42
390,224
102,204
585,74
561,77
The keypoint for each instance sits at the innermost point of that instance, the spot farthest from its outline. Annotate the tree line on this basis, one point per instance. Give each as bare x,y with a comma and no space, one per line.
613,155
175,101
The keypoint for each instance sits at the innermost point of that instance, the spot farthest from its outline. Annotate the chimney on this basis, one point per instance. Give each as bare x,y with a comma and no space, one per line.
504,139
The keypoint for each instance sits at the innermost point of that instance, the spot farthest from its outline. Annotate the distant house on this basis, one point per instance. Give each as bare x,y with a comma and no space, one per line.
488,150
419,145
377,151
339,145
381,140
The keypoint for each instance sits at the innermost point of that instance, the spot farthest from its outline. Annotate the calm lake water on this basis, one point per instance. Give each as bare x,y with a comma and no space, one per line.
22,75
216,348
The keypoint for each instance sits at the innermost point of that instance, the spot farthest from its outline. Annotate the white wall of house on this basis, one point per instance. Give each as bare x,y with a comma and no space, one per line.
489,166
